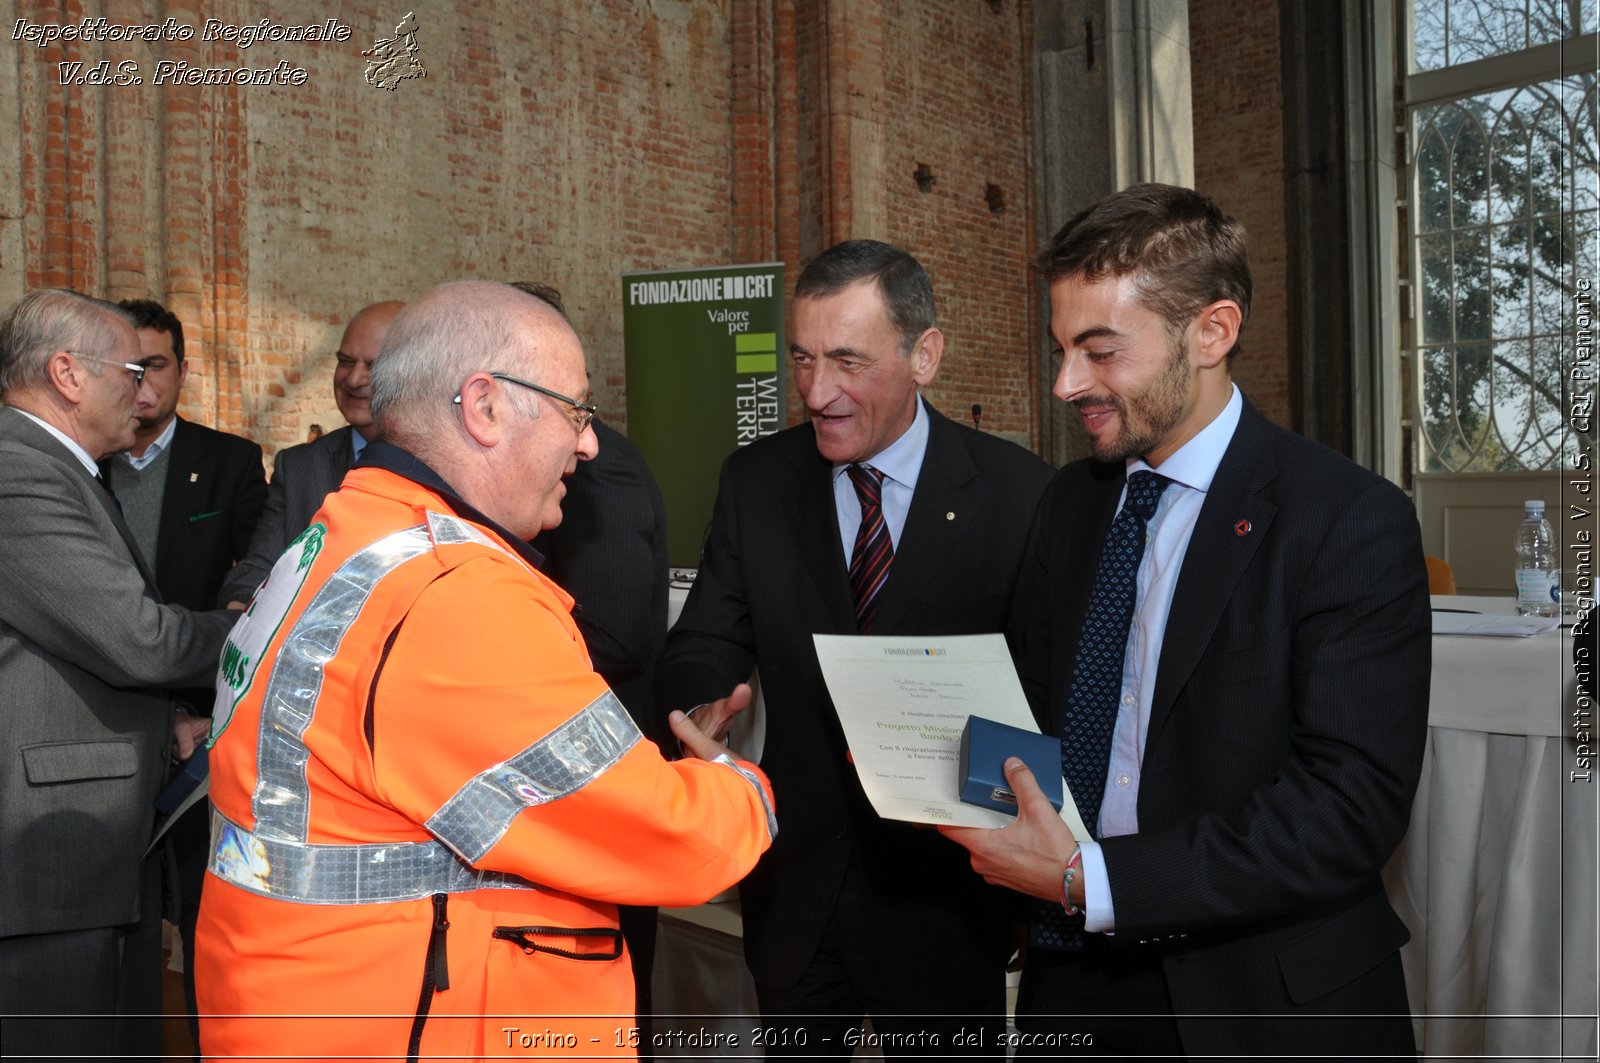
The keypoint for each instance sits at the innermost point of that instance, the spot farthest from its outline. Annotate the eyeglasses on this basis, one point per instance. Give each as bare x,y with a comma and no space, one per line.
580,415
137,370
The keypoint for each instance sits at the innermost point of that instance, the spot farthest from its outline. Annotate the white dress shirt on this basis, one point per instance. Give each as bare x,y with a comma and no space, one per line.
153,451
66,441
1191,468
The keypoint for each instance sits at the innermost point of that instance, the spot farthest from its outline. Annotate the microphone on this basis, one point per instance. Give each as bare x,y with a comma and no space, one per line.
977,414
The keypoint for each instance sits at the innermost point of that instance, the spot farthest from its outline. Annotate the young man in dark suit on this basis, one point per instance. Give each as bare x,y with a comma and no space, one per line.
1238,665
87,650
192,496
878,516
303,475
195,516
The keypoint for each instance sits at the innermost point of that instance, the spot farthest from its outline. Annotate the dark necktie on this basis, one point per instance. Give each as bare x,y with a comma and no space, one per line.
105,485
1092,697
874,552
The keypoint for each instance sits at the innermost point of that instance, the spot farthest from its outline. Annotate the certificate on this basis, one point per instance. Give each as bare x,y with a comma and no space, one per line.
903,701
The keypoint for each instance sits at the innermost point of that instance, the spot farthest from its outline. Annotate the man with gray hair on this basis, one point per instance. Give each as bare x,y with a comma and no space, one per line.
428,768
85,647
879,516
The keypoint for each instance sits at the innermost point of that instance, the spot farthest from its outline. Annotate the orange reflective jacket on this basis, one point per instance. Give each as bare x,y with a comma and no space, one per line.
427,804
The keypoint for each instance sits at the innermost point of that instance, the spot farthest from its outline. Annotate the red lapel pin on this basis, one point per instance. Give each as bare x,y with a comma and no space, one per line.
1242,528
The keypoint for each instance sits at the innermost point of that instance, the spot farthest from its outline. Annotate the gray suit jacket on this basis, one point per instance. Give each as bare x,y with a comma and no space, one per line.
85,646
302,476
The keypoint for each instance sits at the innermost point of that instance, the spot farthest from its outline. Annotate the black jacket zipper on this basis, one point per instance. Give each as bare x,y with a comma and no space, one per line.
435,974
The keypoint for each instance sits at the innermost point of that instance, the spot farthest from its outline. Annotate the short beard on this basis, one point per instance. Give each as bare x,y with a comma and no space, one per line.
1160,408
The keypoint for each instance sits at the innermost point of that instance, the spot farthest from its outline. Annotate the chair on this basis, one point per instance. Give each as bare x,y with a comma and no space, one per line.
1441,580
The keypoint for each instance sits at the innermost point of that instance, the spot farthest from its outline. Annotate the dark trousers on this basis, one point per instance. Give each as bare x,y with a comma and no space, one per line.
190,840
1098,1001
1118,998
639,931
820,1017
77,993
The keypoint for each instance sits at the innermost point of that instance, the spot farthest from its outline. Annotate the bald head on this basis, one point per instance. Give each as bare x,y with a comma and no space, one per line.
352,373
454,384
450,332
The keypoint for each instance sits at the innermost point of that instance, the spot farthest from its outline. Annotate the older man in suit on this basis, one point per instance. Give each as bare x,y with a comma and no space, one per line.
86,645
879,516
303,475
1228,626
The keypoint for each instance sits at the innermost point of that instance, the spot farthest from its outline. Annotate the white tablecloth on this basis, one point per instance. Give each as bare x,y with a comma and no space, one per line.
1497,876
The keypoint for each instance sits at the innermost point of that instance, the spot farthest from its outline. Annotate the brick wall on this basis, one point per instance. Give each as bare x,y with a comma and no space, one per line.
958,82
1238,137
558,142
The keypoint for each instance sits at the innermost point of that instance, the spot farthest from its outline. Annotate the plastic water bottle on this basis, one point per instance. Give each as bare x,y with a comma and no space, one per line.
1538,578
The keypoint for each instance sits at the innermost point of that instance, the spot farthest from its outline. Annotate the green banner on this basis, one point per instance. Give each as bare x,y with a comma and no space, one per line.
704,354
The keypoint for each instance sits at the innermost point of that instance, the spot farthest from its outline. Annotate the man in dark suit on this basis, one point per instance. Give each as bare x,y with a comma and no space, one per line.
303,475
192,496
1238,665
878,516
610,553
202,508
86,645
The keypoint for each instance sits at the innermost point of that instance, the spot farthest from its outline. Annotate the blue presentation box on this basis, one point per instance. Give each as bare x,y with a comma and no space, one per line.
985,745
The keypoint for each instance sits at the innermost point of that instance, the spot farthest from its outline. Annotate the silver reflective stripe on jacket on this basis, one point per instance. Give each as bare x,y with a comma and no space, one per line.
275,860
343,874
560,763
280,804
761,791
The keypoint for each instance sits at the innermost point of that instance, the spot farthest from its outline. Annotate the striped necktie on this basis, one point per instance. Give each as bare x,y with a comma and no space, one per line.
874,552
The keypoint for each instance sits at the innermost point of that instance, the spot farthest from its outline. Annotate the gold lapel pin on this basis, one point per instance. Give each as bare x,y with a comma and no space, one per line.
194,477
950,516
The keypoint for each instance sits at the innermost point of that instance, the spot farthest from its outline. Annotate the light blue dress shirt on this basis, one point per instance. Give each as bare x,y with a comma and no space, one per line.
901,464
153,451
1191,469
358,443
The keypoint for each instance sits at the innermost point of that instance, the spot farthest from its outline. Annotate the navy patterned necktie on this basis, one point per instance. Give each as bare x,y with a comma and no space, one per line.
1096,687
874,552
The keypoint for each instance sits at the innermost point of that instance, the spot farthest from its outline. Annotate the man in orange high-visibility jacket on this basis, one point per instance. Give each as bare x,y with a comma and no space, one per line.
428,805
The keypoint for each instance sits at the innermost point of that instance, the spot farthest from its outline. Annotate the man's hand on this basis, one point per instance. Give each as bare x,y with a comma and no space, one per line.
187,733
695,741
712,718
1029,855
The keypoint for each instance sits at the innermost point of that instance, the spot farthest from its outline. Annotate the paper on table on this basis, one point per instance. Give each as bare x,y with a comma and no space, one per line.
903,701
1446,623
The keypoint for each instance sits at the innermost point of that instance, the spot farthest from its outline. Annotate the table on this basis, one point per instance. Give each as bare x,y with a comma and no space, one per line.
1497,876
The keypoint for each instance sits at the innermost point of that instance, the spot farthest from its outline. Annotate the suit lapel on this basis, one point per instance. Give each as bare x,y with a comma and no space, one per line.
37,438
339,458
941,510
813,517
1216,559
1076,558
